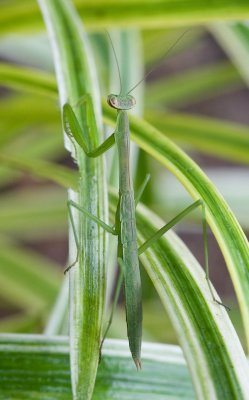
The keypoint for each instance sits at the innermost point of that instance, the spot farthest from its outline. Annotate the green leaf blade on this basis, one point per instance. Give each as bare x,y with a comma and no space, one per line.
76,77
208,135
101,14
228,232
208,339
193,86
45,362
223,223
24,78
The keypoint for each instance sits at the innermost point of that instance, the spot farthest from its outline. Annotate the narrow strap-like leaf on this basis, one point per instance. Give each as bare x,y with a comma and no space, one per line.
16,16
45,373
223,223
76,77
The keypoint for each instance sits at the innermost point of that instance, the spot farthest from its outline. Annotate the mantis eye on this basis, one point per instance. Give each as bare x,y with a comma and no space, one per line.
132,101
112,100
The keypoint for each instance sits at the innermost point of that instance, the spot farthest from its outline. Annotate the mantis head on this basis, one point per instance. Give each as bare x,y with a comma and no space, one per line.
121,102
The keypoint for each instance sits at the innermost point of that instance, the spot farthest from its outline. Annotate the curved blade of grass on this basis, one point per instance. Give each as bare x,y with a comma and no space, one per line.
28,79
19,77
28,281
217,362
42,213
157,40
21,323
58,321
62,175
44,361
224,178
224,225
27,49
210,344
76,77
210,349
207,135
18,156
233,242
159,147
234,38
192,86
24,16
232,378
29,111
33,133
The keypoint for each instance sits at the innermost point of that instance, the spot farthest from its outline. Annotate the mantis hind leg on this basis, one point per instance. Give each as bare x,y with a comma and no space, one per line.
114,306
172,223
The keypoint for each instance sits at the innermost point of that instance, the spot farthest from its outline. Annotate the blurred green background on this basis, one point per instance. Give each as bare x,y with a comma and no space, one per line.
197,95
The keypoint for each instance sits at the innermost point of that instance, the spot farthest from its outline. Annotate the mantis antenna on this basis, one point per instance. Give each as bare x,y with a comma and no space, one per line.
116,59
167,52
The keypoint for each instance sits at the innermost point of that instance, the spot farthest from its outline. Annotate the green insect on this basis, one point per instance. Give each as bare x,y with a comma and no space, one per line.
125,220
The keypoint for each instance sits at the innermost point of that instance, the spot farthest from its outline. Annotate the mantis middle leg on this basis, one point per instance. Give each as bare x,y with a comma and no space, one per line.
172,223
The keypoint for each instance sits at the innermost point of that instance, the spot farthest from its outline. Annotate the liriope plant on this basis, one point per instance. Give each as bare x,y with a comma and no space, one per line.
216,361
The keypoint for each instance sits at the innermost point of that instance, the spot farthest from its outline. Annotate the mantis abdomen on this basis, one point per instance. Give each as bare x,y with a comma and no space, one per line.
133,291
128,239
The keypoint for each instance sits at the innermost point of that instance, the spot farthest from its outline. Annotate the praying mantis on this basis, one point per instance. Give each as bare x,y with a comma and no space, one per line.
125,221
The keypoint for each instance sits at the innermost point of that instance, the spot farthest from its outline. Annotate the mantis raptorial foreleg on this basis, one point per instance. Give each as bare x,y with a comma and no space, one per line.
74,131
